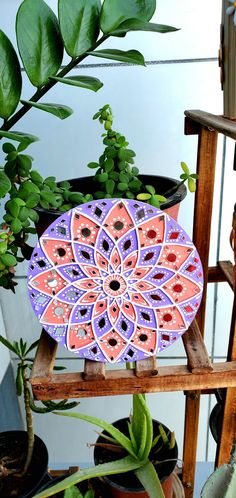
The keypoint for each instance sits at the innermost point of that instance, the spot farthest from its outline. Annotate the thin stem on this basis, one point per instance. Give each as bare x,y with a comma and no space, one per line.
7,125
29,419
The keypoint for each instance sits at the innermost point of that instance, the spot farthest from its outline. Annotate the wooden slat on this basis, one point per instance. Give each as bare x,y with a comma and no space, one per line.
198,359
228,430
94,370
169,378
45,357
190,441
223,272
214,122
146,367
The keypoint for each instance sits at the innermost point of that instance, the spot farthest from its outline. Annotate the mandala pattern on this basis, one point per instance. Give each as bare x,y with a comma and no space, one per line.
115,280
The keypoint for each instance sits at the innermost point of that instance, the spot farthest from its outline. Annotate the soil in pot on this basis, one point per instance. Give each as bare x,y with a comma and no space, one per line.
13,447
127,484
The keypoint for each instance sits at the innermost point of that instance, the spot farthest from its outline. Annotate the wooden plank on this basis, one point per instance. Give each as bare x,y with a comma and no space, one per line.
214,122
117,382
45,357
197,355
207,144
94,370
228,430
146,367
223,272
190,441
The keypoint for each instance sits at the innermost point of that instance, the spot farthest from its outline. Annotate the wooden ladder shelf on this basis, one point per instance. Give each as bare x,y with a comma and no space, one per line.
199,375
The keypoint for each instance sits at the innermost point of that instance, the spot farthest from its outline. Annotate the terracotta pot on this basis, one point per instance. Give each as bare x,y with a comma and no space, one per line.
127,485
87,185
14,443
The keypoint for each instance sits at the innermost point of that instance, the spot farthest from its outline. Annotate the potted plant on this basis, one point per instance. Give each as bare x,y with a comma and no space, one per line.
138,445
35,201
80,35
23,455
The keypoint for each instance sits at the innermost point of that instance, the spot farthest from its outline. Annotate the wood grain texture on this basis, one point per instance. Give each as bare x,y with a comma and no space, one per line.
146,367
213,122
198,359
117,382
228,429
94,370
45,357
192,406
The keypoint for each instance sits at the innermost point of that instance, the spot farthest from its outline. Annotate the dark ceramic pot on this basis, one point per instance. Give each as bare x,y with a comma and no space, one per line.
14,444
87,185
127,485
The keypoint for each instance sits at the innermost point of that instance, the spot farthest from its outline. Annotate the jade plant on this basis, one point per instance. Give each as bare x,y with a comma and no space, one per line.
22,351
74,492
115,176
141,450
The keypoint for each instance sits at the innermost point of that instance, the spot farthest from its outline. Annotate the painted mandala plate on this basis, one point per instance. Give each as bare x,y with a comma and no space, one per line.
115,280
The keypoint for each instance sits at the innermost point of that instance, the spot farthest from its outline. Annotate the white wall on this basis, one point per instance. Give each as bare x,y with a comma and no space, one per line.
148,104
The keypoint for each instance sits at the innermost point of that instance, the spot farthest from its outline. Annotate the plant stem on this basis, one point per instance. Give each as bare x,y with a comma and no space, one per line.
7,125
29,419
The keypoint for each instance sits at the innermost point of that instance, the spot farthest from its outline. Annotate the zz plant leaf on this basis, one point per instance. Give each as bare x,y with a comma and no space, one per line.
114,12
39,41
79,23
58,110
130,56
10,78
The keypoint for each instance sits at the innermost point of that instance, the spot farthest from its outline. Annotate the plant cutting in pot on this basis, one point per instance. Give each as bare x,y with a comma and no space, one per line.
138,448
81,27
35,200
24,456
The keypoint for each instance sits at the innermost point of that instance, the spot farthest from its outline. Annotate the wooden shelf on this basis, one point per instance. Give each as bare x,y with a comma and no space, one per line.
198,376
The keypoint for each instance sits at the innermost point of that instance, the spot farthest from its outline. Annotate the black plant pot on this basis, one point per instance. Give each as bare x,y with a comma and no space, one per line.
162,184
127,484
14,445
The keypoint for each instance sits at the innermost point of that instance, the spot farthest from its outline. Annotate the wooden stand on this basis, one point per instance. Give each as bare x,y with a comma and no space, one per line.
199,376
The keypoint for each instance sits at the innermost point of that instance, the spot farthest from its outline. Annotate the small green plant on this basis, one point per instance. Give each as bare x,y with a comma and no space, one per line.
141,450
74,492
22,351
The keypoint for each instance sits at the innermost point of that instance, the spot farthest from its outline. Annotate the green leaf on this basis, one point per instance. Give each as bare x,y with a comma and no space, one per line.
102,177
13,207
141,25
93,165
122,187
135,184
8,345
129,56
19,136
32,201
16,226
5,184
150,480
39,41
108,164
185,168
31,347
36,177
143,197
79,23
24,214
24,164
33,215
114,12
150,189
87,82
8,259
58,110
19,381
125,464
8,147
73,492
110,185
191,185
113,431
76,198
28,188
10,78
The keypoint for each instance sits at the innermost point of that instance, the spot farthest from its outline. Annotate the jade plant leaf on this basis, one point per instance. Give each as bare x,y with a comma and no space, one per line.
88,82
39,41
140,25
79,23
58,110
114,12
5,184
129,56
10,78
